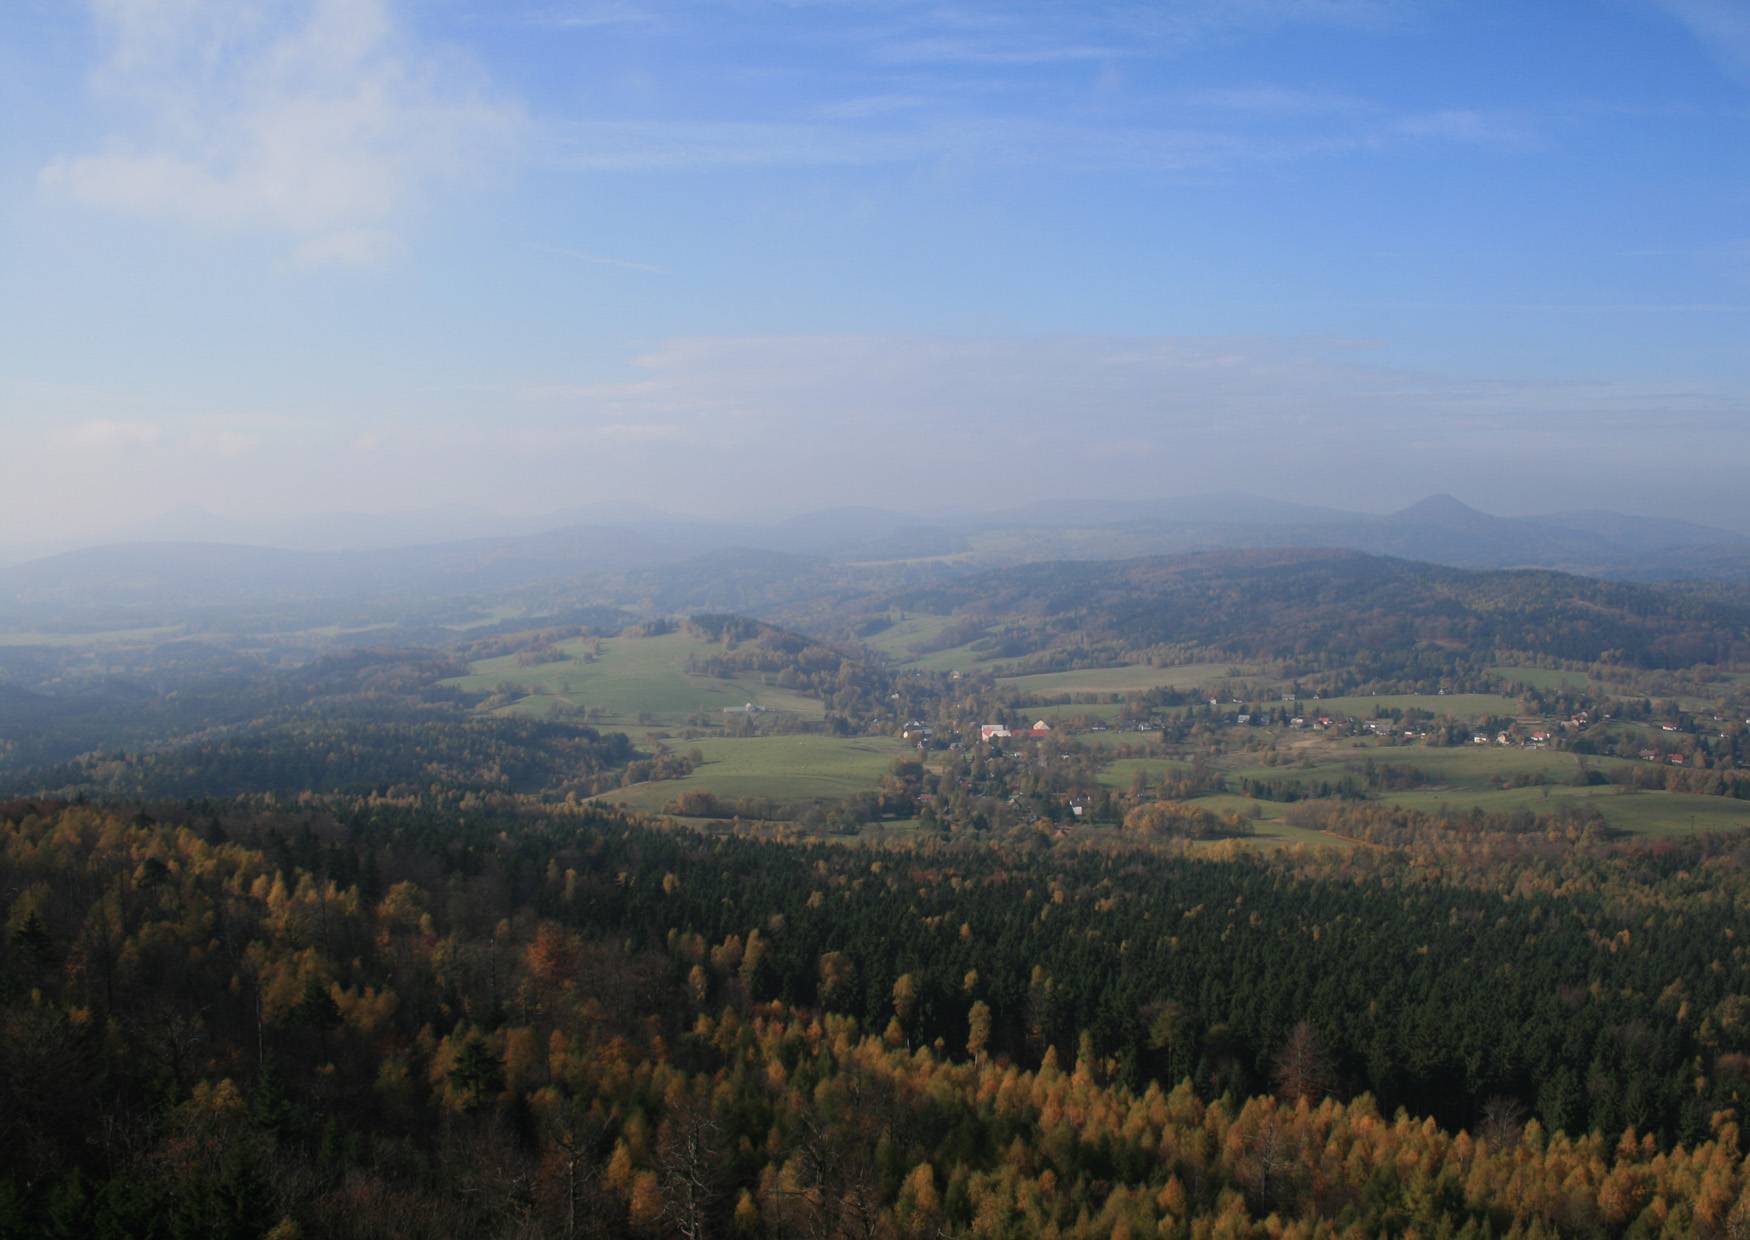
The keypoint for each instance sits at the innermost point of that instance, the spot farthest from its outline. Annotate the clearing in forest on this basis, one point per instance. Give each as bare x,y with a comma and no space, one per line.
618,681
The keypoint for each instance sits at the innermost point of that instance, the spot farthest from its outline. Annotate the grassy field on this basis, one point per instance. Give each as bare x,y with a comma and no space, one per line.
901,639
1132,678
1460,769
1269,830
1121,771
1469,706
1268,833
1465,766
1542,677
958,659
114,637
1104,710
1464,777
634,677
792,770
1640,813
487,617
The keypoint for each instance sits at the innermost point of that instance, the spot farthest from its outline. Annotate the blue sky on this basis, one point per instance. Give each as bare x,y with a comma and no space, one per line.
280,256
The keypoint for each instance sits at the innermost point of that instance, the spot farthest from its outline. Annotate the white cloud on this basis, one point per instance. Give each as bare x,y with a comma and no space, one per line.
108,435
599,260
1012,141
223,442
356,247
590,16
317,119
1465,126
654,146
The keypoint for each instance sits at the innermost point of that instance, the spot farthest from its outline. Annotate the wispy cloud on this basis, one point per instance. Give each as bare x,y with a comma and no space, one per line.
997,140
356,247
601,261
319,120
866,106
941,421
644,146
1723,25
1466,126
107,435
994,34
1277,101
590,16
963,51
1292,390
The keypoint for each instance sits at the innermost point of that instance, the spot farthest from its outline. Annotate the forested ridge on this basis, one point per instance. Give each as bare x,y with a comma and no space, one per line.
358,755
1333,607
470,1015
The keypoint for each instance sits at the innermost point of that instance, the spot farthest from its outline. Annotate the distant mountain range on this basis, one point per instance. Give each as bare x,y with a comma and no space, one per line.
644,558
1439,530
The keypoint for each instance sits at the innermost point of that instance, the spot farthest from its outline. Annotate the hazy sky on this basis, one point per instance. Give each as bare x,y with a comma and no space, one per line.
272,256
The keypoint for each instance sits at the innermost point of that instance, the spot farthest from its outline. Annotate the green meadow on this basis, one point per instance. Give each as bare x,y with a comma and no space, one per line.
1639,813
791,770
1131,678
111,637
1468,777
1467,706
1542,677
632,679
901,639
1107,711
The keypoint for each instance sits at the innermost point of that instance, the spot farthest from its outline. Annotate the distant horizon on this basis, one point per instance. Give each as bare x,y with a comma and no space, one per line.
377,531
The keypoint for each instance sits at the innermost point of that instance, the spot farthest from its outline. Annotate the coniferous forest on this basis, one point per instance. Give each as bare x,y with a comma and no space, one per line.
463,1016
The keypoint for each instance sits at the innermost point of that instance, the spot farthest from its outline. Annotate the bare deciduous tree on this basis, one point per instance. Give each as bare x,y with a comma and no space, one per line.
1303,1070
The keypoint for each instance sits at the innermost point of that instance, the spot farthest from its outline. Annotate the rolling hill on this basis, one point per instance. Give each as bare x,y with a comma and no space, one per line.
1337,604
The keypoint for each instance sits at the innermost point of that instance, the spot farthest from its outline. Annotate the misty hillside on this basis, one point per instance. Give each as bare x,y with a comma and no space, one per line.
1289,603
165,579
1440,529
813,561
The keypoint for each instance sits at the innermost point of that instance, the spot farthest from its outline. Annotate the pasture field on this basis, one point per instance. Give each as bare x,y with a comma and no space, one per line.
1468,706
1639,813
1121,771
791,770
1461,766
1131,678
1269,833
1108,711
1542,677
1458,767
1270,825
962,658
1636,813
634,678
901,639
1466,779
486,617
1114,738
112,637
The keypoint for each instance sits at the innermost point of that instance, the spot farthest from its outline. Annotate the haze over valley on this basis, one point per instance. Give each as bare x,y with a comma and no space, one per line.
884,620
